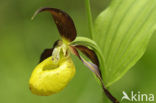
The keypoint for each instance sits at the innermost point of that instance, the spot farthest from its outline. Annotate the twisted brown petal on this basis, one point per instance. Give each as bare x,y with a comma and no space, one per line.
89,53
93,67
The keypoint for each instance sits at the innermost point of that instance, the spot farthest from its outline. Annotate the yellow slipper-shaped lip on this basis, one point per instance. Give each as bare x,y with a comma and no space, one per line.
49,78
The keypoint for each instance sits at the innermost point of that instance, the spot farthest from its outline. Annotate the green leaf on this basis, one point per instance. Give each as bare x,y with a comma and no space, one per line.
122,32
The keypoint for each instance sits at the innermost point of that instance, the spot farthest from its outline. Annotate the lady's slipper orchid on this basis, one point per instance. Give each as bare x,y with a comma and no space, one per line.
56,68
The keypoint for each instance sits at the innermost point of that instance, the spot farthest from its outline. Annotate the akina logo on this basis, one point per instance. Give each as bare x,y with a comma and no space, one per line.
137,96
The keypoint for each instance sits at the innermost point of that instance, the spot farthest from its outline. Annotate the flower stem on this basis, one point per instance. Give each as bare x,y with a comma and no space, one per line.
89,16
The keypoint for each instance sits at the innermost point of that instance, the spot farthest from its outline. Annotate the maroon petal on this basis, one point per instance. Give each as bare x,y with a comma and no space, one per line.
89,53
48,52
93,67
63,21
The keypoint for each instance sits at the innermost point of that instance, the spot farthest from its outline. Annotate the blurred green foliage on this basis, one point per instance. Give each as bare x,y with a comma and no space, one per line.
22,41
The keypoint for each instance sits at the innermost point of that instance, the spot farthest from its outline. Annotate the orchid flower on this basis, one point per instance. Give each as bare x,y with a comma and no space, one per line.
56,67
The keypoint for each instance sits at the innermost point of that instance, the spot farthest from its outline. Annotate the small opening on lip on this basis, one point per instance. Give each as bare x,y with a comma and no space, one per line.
49,65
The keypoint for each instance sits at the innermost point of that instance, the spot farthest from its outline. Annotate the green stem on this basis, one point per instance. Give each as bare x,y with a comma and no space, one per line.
89,16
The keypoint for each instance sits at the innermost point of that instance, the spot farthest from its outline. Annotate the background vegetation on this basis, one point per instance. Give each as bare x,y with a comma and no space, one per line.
23,40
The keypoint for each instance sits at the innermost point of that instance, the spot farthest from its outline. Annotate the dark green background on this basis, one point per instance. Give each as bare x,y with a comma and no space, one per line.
23,40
